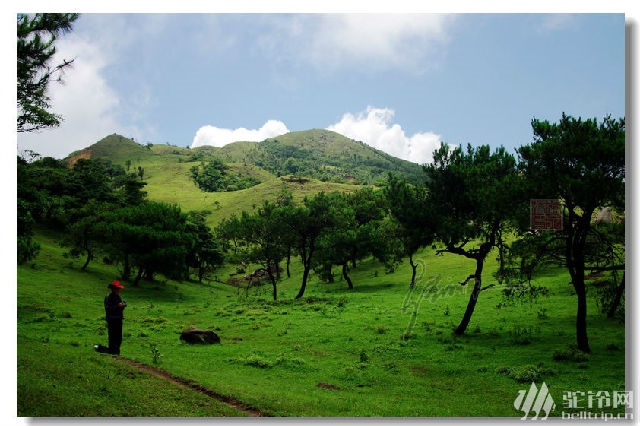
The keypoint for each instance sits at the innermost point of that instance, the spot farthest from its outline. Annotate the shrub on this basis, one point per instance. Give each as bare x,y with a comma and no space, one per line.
155,353
253,360
256,360
526,373
286,360
522,335
572,354
523,293
502,370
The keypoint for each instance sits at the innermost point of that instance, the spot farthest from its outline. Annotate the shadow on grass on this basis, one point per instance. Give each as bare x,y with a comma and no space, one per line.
341,287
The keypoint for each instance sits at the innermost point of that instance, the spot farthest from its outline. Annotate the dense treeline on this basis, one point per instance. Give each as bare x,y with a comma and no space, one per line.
214,176
102,210
326,230
470,200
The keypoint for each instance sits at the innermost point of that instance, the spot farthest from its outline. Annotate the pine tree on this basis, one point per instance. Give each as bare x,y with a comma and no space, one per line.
36,37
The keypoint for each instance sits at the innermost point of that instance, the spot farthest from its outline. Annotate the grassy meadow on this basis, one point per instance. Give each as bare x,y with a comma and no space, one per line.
376,350
171,182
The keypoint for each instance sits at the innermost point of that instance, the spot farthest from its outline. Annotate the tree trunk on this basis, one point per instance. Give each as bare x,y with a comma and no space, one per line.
575,263
138,276
327,273
473,299
306,261
288,262
305,275
501,258
581,317
86,262
477,287
273,281
414,268
126,272
616,299
345,274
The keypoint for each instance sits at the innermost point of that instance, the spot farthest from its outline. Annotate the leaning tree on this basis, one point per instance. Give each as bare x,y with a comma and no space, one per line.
472,193
581,163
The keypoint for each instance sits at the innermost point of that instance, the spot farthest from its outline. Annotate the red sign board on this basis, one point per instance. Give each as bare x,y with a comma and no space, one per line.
546,215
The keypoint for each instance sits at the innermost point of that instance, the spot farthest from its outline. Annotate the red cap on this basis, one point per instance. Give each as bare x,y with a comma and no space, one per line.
116,284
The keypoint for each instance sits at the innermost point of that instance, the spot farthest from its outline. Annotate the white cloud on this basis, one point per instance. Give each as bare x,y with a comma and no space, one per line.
374,127
373,41
378,40
90,107
216,136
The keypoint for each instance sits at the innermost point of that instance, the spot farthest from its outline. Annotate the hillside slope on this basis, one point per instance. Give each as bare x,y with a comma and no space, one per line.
114,148
326,160
324,155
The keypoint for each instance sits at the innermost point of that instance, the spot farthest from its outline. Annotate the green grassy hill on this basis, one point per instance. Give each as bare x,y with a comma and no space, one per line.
114,147
324,155
327,160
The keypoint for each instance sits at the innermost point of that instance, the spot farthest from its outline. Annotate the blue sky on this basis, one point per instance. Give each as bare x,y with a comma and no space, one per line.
399,82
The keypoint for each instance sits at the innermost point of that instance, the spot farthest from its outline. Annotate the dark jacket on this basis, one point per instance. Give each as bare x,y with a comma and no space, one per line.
111,308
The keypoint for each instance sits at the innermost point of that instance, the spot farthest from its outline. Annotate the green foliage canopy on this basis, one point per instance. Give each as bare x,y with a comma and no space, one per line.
473,193
214,176
582,163
151,236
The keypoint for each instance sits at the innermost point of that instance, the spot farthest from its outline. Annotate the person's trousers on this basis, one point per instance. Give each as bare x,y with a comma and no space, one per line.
114,327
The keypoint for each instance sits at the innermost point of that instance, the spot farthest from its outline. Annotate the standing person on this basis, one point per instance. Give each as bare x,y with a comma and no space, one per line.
113,307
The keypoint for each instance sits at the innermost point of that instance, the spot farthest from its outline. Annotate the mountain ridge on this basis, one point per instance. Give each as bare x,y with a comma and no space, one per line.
302,163
317,153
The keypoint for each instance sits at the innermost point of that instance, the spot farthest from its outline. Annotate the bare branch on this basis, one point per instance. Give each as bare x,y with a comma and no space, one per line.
468,278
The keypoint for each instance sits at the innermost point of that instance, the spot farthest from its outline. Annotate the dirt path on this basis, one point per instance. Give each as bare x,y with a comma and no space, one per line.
165,375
